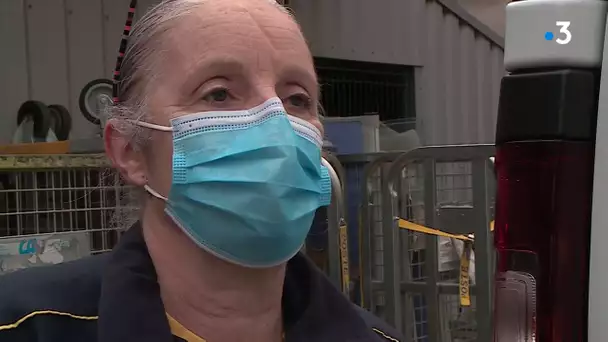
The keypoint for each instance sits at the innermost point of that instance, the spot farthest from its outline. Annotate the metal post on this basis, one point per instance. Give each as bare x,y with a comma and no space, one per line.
483,250
337,235
391,255
432,262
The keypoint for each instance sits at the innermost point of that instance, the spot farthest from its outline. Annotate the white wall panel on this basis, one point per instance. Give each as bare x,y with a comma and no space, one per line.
47,47
14,66
85,56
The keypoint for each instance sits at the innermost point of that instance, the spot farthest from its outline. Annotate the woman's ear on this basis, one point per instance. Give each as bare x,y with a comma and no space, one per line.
123,155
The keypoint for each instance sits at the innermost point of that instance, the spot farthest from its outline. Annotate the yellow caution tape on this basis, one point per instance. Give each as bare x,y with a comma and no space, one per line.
465,259
465,279
343,241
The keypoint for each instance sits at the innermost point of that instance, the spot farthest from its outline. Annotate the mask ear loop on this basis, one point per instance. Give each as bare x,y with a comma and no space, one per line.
154,193
152,126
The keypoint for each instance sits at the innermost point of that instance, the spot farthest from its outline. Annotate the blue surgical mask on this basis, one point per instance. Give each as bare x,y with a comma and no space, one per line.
246,184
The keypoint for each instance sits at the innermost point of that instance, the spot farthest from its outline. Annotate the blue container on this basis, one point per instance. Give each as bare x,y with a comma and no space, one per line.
352,136
345,136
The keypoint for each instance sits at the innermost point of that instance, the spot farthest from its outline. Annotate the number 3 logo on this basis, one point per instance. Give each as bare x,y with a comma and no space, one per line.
564,30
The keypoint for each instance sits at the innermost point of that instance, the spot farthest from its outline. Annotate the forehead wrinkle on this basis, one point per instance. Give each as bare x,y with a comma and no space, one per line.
183,55
217,28
276,34
211,14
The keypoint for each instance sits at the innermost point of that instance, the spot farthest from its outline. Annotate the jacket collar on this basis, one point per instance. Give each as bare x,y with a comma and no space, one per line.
131,308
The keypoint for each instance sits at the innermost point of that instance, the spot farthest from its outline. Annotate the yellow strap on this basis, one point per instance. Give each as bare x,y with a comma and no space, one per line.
362,298
45,312
465,281
177,329
404,224
343,240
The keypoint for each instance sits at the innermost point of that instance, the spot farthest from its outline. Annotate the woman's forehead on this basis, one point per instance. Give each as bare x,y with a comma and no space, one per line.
251,32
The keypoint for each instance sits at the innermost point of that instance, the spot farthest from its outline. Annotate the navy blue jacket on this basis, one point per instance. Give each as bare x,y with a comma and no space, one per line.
115,297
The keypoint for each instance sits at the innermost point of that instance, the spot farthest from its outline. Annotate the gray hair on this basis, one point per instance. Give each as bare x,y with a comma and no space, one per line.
139,61
137,71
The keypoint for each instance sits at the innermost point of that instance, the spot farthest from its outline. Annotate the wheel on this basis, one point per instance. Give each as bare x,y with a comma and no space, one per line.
94,97
41,116
61,121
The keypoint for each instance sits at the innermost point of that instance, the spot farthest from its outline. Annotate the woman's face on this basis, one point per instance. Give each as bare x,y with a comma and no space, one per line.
227,55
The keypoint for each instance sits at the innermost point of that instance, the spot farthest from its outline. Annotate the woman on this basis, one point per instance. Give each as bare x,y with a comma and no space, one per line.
216,121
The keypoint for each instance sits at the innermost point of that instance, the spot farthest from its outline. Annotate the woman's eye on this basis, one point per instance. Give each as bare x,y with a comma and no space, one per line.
217,95
301,101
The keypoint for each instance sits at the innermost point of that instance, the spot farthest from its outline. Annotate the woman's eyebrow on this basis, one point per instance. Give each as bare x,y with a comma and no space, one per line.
302,76
221,63
216,66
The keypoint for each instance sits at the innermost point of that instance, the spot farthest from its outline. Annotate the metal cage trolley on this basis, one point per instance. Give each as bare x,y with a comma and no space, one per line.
56,208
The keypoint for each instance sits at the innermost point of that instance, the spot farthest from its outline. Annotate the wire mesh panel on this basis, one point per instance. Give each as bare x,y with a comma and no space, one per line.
453,189
368,181
417,274
58,195
354,166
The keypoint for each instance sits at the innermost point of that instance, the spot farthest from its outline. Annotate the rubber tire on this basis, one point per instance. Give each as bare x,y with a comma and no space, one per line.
56,122
82,99
62,120
41,115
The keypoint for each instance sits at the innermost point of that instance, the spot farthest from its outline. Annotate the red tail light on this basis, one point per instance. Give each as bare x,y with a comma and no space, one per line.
545,146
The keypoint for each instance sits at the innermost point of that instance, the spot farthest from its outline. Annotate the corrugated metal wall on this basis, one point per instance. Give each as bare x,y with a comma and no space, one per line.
52,48
458,59
460,81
